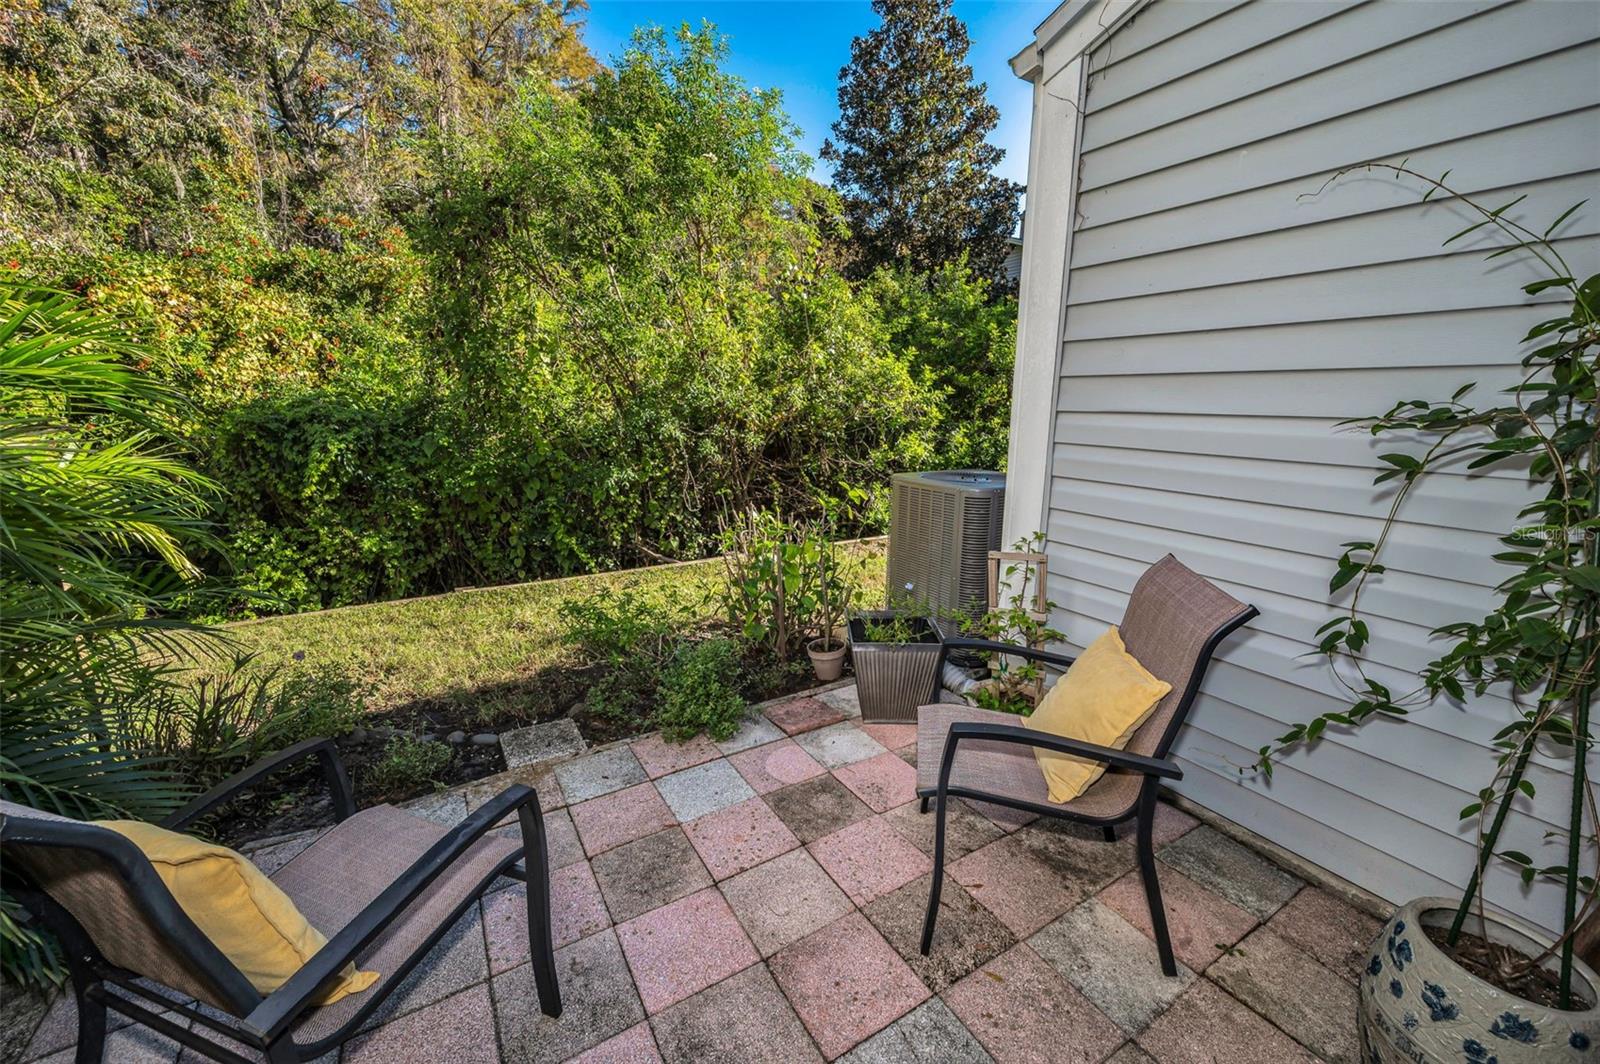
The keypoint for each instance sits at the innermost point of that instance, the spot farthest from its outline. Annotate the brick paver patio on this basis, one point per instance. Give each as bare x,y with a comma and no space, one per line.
761,899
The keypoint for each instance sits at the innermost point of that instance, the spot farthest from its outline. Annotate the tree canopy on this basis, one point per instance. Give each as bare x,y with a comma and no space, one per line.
449,303
909,152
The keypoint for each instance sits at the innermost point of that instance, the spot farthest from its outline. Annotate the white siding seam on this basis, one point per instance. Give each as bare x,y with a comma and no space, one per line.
1307,28
1109,46
1437,255
1321,120
1492,192
1324,172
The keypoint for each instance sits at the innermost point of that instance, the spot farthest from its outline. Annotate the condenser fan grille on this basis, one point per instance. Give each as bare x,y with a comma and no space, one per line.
942,526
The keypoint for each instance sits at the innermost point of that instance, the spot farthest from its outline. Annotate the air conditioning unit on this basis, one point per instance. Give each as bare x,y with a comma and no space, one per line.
942,526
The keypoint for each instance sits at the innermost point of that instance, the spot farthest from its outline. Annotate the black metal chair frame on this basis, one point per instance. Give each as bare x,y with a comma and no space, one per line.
266,1023
1154,769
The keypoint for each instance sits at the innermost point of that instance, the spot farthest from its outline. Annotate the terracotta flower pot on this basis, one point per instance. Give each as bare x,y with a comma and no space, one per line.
1417,1006
827,664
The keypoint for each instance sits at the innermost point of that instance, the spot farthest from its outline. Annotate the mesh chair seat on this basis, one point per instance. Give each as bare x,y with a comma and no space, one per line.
116,917
343,871
1008,769
1174,621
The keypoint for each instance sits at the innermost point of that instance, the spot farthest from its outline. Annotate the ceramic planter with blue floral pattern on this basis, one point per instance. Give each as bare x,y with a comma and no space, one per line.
1419,1007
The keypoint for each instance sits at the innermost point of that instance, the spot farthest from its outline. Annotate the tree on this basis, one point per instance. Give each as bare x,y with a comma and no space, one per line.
183,125
909,155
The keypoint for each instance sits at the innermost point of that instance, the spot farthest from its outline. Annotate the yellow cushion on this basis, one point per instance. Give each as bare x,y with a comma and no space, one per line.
248,916
1102,699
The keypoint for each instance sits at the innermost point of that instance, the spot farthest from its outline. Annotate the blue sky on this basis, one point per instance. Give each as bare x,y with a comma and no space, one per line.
799,45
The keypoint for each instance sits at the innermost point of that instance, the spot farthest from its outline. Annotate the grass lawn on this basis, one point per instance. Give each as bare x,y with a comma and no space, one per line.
483,649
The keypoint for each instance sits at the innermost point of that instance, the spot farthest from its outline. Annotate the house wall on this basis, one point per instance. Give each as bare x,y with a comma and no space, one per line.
1223,311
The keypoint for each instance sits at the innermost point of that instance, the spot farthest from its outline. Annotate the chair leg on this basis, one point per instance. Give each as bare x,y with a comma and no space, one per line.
938,876
1152,887
91,1029
924,808
535,854
1110,832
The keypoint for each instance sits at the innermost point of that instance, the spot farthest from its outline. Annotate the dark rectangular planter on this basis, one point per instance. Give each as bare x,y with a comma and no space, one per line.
893,679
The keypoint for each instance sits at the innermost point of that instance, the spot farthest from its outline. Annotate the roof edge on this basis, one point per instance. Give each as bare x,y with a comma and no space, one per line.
1077,26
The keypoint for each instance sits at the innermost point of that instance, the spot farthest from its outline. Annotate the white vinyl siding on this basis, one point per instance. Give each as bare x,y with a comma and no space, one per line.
1225,310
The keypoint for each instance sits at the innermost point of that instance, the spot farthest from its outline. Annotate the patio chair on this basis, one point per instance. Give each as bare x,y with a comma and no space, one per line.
1173,623
382,884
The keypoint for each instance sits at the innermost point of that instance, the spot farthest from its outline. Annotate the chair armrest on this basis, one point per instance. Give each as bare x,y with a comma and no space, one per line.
1165,768
284,1005
344,803
989,646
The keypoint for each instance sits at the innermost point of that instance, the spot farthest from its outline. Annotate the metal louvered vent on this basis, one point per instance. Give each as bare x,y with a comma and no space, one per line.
942,526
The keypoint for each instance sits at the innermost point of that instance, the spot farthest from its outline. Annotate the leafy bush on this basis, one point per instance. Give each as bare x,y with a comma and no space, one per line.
786,583
628,637
962,342
598,322
212,722
614,627
700,693
1016,685
407,763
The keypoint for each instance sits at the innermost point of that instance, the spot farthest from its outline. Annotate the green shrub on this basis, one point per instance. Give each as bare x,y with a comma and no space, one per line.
786,583
700,692
408,763
625,695
614,627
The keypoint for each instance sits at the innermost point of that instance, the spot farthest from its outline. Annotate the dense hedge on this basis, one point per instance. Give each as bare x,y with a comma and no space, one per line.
597,325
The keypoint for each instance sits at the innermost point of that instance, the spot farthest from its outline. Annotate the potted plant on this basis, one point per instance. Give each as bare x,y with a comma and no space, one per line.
826,651
896,654
786,589
1448,979
1015,685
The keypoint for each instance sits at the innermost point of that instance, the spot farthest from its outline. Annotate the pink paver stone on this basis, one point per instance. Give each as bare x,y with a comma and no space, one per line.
869,859
803,714
739,837
661,758
1170,823
846,983
1024,1012
892,736
458,1029
1206,1025
883,782
776,765
1024,892
1201,923
682,948
606,822
636,1045
577,910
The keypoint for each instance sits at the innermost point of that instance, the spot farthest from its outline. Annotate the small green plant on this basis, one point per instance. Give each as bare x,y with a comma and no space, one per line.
214,721
624,696
1022,619
628,638
699,692
408,763
611,627
785,582
907,620
896,629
